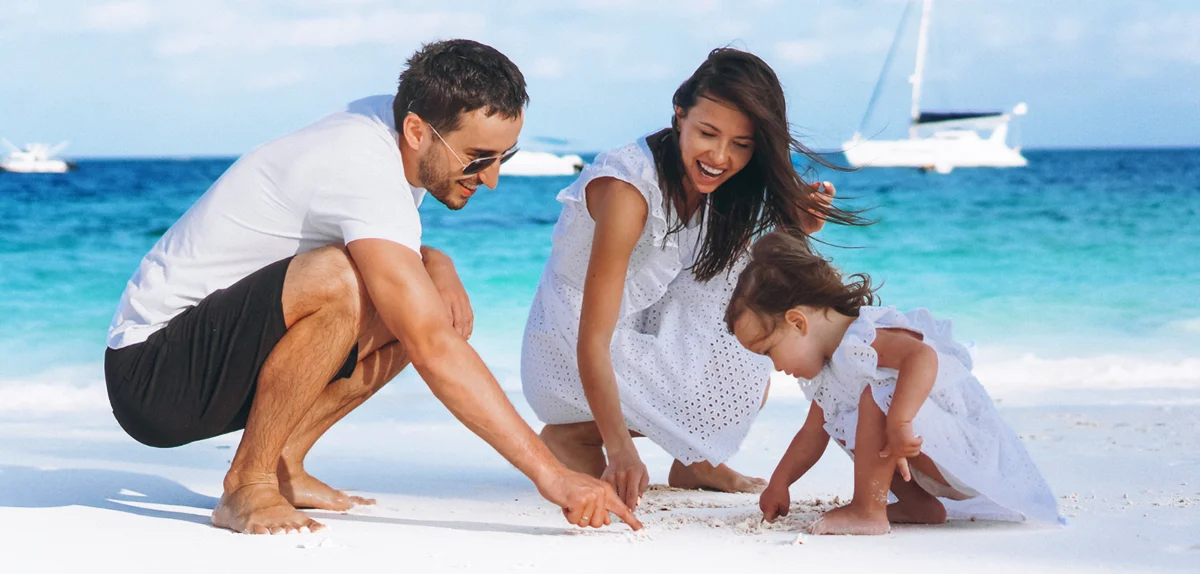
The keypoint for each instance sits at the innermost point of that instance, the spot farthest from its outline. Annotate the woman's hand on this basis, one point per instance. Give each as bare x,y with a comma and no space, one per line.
627,474
812,221
775,501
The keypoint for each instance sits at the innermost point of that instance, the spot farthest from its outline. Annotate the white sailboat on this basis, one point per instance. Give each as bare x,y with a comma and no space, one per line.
937,140
34,158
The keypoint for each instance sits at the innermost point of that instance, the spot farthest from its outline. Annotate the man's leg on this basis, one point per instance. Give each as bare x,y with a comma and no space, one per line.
381,359
323,304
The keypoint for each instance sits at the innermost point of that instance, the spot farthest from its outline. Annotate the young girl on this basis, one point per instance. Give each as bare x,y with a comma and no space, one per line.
892,388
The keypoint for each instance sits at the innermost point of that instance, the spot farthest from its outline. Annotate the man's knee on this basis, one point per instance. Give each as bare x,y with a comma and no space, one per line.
326,278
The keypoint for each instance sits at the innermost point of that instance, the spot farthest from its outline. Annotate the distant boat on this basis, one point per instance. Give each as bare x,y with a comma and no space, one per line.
937,140
534,163
35,158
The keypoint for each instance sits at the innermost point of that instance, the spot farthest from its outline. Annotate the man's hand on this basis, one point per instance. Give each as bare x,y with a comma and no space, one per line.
586,501
775,501
454,295
627,474
902,444
811,221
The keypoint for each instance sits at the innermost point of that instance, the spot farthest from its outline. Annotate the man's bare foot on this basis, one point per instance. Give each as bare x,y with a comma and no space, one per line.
706,476
303,490
922,511
258,508
850,519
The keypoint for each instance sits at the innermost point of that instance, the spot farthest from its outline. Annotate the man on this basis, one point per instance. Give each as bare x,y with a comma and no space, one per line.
297,286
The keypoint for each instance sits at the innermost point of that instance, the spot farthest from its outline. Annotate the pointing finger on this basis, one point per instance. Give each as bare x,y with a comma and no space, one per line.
617,507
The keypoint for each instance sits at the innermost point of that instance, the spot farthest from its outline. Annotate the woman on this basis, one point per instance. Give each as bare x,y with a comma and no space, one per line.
626,335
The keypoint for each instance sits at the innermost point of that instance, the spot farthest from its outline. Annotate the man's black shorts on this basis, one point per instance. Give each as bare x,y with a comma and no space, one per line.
195,378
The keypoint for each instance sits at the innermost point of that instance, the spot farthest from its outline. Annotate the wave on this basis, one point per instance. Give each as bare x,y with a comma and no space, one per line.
1004,372
1010,371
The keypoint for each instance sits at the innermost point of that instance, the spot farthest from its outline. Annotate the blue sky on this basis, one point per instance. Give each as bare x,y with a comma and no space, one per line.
135,77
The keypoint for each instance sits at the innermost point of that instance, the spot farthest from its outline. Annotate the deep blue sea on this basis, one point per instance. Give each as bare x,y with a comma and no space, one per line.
1083,255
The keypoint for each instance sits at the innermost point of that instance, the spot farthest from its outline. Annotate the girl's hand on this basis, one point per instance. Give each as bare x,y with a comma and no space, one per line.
811,221
774,502
902,444
627,474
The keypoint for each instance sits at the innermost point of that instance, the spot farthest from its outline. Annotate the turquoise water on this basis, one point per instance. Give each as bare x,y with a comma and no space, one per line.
1084,253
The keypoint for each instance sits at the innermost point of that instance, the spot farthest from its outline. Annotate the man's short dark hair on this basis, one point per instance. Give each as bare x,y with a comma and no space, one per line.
447,78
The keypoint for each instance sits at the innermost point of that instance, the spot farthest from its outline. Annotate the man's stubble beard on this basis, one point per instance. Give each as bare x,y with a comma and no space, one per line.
437,183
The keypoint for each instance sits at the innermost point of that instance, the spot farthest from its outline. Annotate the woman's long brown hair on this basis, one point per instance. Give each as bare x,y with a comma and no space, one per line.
768,192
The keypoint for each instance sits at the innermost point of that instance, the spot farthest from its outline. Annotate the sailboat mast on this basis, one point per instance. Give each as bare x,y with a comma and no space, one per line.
918,73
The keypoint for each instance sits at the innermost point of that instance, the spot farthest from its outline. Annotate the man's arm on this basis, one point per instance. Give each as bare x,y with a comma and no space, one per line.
409,304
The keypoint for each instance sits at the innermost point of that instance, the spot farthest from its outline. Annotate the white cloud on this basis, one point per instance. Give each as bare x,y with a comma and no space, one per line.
235,29
278,79
1174,40
1067,31
118,16
800,52
546,67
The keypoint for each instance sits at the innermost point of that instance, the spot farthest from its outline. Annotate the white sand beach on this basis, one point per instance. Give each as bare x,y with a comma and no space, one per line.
77,494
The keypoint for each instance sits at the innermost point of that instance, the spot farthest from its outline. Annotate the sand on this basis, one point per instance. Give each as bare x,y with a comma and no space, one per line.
76,494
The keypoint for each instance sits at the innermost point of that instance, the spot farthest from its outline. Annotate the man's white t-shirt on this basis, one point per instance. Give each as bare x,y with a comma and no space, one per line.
333,182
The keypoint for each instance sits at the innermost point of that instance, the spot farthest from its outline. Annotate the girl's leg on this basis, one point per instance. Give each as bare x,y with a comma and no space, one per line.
867,512
914,505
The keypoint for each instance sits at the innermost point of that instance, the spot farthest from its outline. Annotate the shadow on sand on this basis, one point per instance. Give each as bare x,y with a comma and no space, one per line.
26,487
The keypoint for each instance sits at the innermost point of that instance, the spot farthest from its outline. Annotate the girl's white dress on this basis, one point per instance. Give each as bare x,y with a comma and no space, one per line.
990,471
683,380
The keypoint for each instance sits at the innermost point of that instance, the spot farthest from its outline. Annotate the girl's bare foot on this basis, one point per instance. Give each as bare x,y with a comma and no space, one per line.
258,508
706,476
303,490
851,519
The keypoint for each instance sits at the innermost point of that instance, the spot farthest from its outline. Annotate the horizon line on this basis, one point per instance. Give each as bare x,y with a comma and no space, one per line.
202,156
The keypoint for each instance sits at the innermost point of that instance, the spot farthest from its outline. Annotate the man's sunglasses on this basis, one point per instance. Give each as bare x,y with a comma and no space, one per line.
476,165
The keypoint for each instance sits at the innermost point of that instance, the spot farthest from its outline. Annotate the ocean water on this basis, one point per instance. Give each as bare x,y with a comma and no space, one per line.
1082,265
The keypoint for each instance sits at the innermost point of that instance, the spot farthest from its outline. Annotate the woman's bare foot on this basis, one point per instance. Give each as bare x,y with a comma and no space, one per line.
851,519
925,511
303,490
258,508
706,476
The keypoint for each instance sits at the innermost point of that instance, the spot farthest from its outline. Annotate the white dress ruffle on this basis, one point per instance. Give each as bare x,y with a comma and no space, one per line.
962,431
683,380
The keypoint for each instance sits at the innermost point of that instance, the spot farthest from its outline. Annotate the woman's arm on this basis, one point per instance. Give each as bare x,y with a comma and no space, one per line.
619,211
806,449
917,364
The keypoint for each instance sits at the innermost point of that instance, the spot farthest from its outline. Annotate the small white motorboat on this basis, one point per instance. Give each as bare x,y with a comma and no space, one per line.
535,163
34,158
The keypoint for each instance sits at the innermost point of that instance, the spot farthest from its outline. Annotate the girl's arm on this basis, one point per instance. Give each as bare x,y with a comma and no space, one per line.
619,211
917,364
806,449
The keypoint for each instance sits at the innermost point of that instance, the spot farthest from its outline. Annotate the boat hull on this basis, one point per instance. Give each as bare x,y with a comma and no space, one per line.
539,163
48,166
941,155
